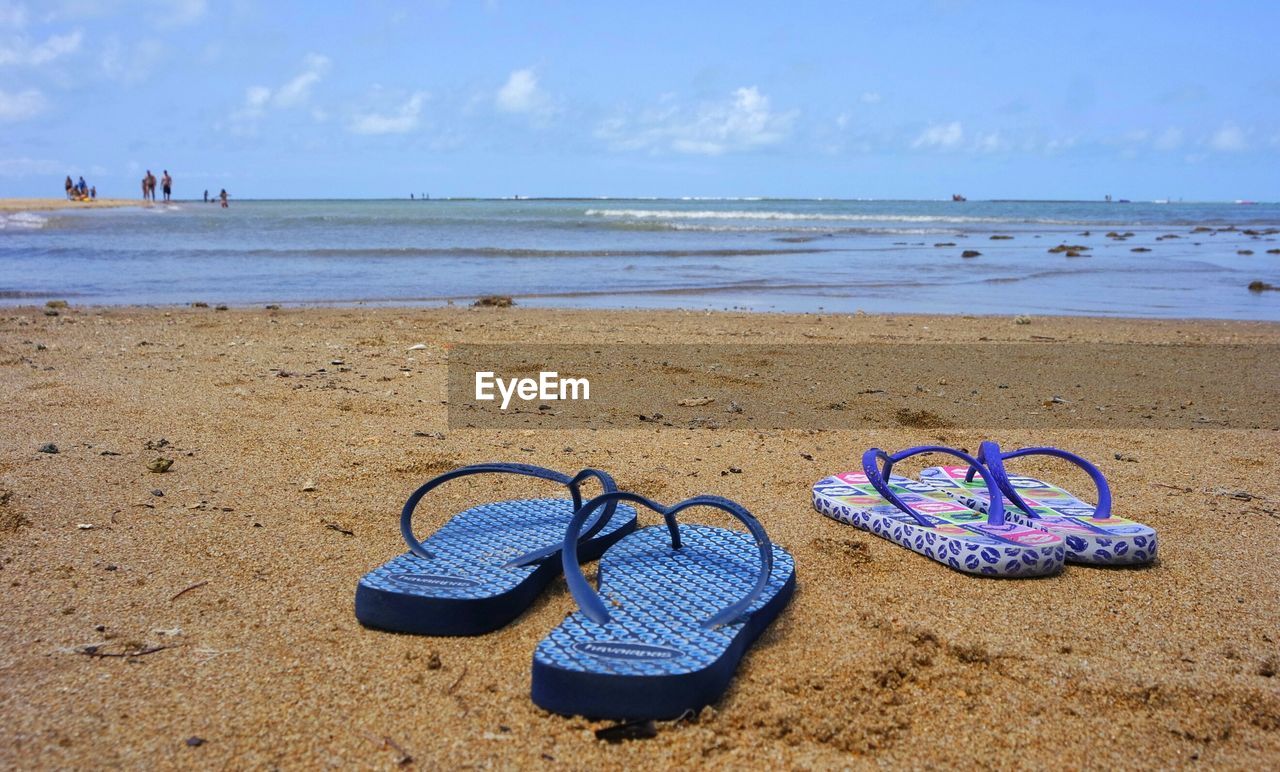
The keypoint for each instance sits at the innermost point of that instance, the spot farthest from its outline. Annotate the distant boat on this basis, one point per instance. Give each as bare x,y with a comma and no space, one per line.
958,197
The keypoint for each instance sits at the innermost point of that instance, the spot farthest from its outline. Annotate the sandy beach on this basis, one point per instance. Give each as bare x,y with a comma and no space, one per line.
53,204
202,617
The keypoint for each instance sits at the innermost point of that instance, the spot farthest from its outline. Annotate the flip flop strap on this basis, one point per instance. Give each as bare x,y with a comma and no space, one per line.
989,454
589,600
527,470
879,479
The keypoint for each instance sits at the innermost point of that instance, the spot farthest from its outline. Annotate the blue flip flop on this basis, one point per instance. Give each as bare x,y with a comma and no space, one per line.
488,563
1093,535
681,606
917,516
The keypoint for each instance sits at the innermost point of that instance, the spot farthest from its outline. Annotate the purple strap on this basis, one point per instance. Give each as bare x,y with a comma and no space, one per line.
589,601
989,454
528,470
879,479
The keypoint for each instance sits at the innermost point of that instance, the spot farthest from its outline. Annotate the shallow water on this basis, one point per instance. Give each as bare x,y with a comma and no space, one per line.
767,255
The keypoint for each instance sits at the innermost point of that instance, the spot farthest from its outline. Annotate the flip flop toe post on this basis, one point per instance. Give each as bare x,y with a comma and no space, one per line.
1093,535
488,563
677,608
917,516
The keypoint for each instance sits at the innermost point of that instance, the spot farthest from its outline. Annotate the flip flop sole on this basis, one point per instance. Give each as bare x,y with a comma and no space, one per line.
467,587
654,658
959,537
1111,541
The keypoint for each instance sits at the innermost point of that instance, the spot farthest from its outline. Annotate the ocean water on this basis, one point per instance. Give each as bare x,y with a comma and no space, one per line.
764,255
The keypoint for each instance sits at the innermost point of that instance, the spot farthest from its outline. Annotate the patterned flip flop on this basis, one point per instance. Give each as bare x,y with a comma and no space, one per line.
1093,535
917,516
681,606
488,563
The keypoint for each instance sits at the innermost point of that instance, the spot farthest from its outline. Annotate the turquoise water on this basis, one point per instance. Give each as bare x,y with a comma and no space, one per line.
765,255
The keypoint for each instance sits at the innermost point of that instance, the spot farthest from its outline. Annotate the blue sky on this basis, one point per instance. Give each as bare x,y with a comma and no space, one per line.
888,100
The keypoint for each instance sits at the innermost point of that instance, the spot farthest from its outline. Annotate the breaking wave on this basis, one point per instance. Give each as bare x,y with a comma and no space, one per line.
710,214
22,221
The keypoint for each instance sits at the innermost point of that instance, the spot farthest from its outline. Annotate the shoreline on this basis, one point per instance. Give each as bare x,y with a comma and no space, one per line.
766,258
12,205
295,435
463,304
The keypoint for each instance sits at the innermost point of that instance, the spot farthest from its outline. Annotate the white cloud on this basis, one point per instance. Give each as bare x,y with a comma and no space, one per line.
742,122
943,136
132,62
990,142
1228,139
19,52
1135,141
13,15
298,90
870,98
1169,139
21,105
402,120
1059,145
180,13
55,47
295,92
155,13
256,97
521,94
29,167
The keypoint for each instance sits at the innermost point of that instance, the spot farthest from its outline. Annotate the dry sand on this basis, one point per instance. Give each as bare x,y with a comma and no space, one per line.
49,204
883,656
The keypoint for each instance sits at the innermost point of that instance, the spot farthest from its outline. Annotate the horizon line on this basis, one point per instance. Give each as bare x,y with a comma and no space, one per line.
746,199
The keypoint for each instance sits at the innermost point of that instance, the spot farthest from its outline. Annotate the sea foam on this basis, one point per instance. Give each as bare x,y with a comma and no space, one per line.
709,214
22,221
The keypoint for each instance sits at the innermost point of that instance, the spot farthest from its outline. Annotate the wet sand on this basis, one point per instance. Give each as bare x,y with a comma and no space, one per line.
50,204
883,656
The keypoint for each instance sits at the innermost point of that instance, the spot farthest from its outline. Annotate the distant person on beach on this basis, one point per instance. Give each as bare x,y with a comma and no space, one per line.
206,196
93,193
223,196
166,182
69,186
82,189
